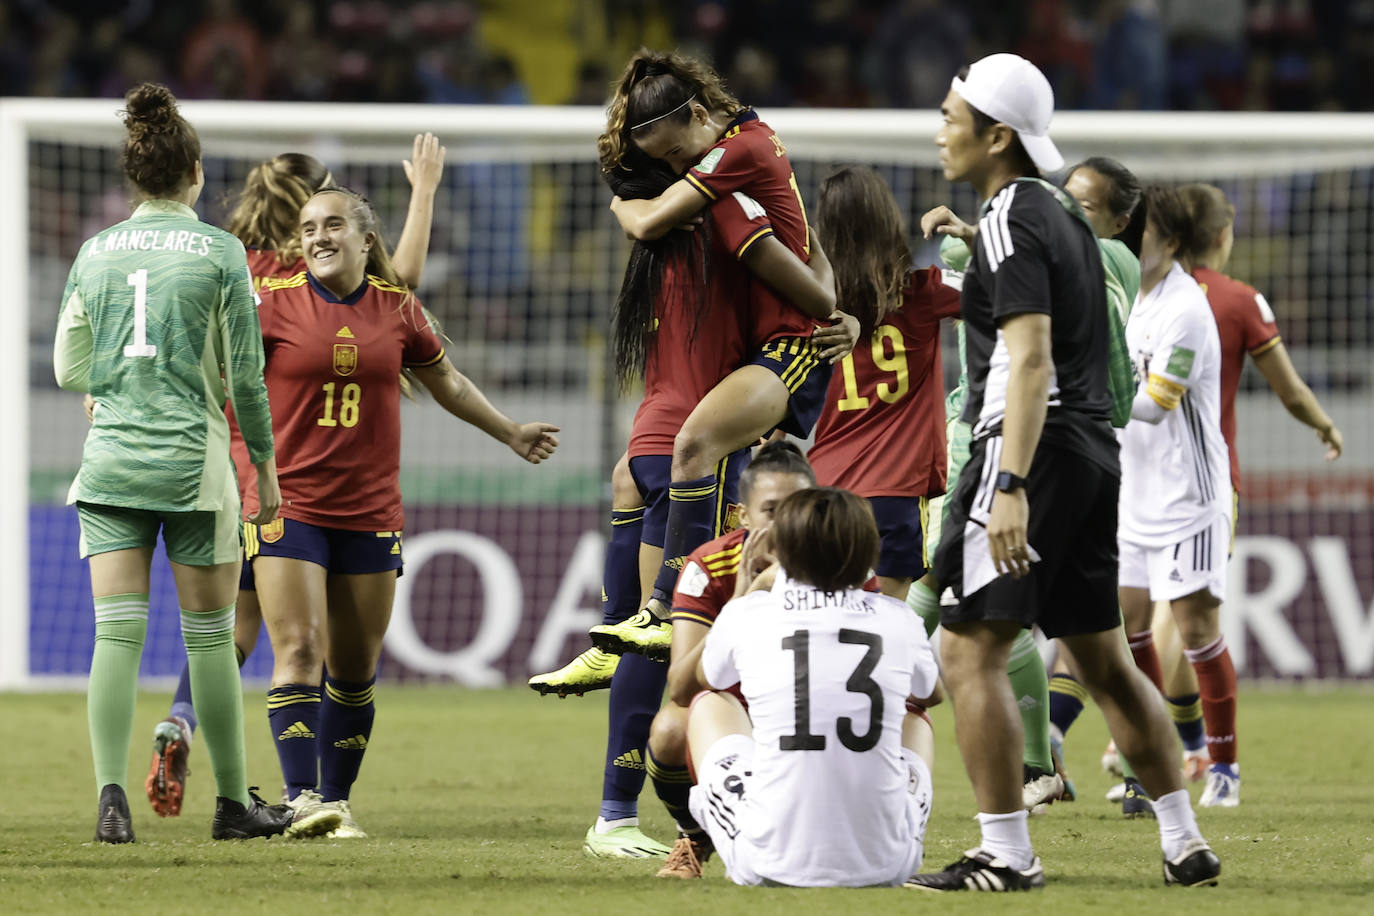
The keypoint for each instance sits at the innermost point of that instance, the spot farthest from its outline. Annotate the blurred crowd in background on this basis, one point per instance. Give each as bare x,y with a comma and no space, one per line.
1280,55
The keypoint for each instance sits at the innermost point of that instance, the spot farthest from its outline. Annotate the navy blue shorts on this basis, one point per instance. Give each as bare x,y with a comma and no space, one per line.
901,528
338,551
653,473
797,362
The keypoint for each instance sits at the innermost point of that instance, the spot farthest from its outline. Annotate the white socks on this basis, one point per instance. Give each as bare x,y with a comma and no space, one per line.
1007,837
605,826
1176,822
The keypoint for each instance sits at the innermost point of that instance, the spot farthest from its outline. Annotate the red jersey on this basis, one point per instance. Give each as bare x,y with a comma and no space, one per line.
749,159
333,377
679,369
263,265
1245,324
708,577
882,432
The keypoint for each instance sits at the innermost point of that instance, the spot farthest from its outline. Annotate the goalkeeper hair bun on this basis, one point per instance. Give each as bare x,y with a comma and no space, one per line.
162,149
150,109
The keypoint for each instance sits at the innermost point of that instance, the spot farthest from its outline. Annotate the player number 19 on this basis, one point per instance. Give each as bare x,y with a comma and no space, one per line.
885,336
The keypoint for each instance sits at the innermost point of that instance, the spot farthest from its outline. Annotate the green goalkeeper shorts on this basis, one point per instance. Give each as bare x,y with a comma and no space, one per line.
192,538
958,437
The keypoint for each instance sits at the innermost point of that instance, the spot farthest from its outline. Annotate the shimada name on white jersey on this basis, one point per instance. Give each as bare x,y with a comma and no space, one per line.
1175,475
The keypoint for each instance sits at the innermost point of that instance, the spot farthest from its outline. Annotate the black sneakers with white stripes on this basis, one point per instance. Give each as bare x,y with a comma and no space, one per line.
981,871
1195,866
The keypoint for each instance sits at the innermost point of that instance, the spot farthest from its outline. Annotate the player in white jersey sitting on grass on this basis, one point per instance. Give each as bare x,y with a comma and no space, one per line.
814,786
1175,510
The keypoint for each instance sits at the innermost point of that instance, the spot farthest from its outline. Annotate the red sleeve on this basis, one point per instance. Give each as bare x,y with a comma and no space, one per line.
1258,327
942,298
740,221
708,578
422,345
726,167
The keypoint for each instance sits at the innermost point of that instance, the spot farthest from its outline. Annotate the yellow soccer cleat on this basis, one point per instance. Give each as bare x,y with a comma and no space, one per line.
643,634
312,816
592,670
627,842
348,828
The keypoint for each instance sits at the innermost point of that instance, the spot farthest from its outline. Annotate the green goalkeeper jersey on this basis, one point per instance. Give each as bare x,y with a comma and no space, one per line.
158,321
1122,276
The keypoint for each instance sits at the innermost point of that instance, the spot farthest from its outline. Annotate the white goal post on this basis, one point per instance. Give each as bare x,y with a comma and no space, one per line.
1158,146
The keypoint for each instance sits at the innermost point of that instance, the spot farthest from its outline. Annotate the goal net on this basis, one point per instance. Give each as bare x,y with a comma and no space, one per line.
503,561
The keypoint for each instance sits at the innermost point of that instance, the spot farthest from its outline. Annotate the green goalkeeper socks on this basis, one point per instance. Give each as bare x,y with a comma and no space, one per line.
121,621
926,603
1031,687
215,684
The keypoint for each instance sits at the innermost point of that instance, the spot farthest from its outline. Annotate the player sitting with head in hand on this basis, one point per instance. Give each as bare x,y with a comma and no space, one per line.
816,785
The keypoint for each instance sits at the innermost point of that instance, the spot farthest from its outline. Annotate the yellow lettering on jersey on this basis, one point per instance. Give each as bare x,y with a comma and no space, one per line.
344,332
852,400
732,132
345,358
778,149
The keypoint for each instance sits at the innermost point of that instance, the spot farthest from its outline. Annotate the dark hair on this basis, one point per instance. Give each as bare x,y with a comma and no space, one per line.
1021,160
267,212
1209,212
864,236
1167,210
638,177
162,149
657,87
780,457
1123,196
826,537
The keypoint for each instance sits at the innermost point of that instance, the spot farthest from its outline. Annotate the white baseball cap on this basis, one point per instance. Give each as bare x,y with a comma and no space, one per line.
1012,90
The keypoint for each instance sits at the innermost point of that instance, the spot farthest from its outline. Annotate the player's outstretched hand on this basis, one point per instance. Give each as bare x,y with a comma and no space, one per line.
838,339
425,166
943,221
535,441
1331,437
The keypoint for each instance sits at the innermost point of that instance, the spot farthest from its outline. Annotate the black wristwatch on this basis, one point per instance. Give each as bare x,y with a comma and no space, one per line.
1007,481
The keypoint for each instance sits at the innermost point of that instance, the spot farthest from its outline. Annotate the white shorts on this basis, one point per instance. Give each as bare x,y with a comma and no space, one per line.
719,804
1194,563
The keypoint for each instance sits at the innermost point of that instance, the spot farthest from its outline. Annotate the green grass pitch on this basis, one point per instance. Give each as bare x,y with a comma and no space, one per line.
477,802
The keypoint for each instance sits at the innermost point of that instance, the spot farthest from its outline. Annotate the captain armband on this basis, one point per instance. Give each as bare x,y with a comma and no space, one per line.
1164,391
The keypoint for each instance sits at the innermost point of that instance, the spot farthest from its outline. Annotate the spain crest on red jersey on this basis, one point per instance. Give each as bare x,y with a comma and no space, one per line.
345,358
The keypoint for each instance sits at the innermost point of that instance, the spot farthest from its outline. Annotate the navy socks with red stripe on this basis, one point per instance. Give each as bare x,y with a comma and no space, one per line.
691,522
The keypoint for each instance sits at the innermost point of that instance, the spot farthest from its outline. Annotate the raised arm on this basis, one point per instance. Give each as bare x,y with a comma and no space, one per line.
652,218
1297,397
423,170
454,392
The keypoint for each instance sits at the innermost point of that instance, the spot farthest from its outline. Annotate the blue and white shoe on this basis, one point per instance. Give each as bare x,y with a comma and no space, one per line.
1223,786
